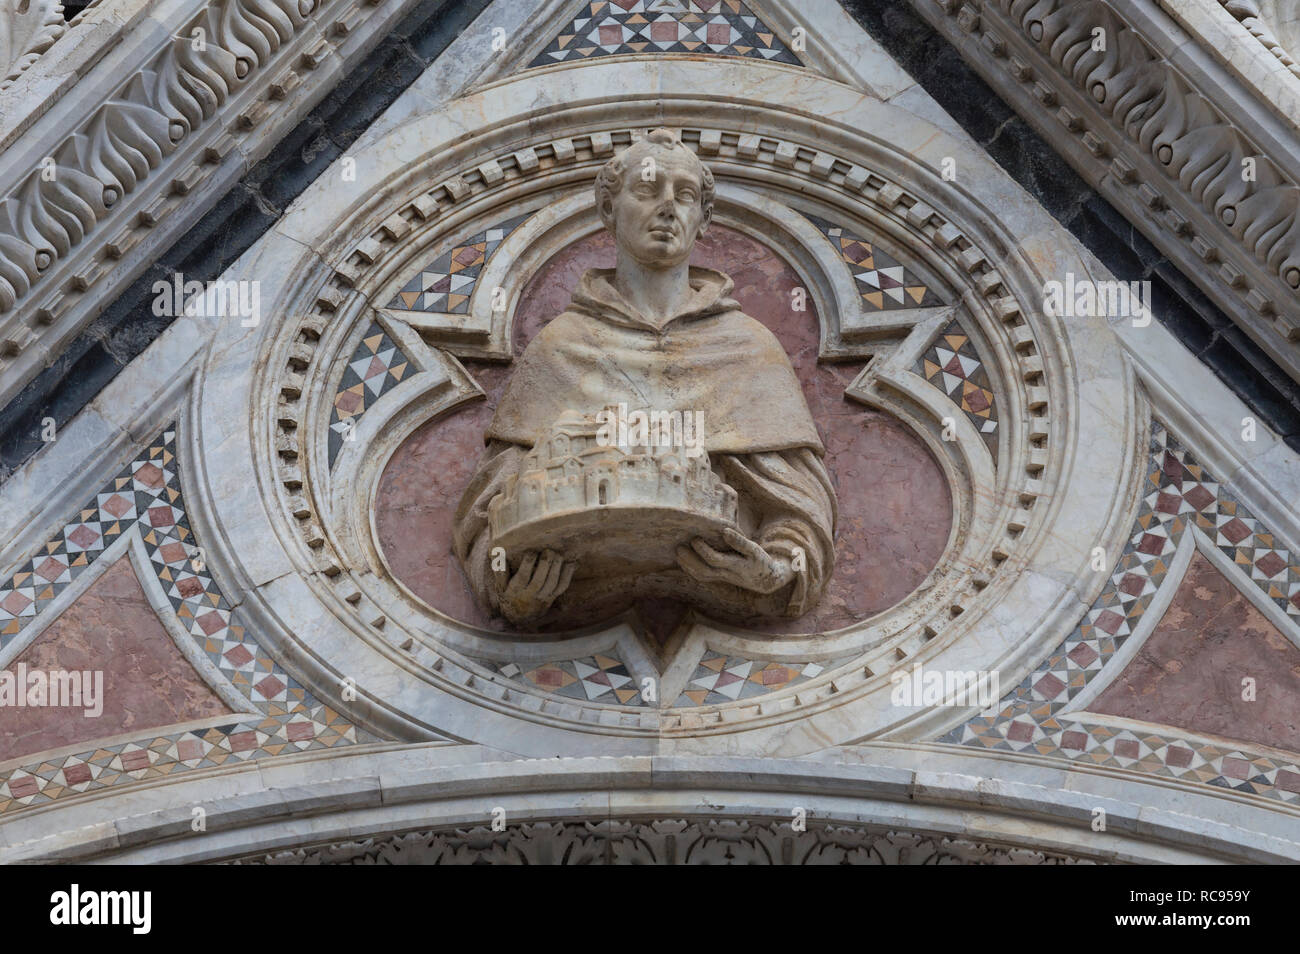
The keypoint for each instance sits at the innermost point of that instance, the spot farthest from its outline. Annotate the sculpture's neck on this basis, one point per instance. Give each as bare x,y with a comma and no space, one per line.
656,293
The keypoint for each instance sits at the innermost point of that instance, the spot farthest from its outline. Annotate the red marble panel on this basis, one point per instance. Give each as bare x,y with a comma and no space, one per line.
147,682
895,505
1189,672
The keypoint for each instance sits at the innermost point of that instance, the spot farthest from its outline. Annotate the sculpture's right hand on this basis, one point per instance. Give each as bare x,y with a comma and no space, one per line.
537,584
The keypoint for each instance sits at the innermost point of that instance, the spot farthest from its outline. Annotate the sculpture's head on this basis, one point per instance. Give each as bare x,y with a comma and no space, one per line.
656,198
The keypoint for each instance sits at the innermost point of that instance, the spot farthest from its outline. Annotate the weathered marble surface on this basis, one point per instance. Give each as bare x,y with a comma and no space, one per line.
895,507
1189,671
147,682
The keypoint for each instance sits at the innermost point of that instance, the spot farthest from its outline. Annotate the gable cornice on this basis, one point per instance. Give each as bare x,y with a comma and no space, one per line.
1161,128
125,133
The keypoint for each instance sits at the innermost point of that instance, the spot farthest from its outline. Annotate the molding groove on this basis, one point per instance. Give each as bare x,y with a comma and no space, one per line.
1145,136
83,215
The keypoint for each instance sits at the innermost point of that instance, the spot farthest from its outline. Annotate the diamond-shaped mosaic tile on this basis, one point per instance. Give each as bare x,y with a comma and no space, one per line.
146,497
376,367
720,679
953,365
445,285
621,27
1178,492
882,281
599,678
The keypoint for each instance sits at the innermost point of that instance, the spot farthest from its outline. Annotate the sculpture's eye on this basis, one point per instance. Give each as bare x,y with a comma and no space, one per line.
688,196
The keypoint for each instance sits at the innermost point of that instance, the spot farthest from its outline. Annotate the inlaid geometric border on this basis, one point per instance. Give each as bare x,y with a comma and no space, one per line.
719,678
145,497
446,284
620,27
883,283
1179,492
952,364
599,678
375,368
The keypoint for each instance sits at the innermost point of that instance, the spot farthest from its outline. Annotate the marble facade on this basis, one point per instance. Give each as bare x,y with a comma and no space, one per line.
249,528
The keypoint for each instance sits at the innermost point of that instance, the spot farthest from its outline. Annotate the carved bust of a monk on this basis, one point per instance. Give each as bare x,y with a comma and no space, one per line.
656,333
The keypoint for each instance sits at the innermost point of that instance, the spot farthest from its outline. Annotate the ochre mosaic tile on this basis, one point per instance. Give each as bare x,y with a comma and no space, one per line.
621,27
1179,492
145,498
376,367
952,364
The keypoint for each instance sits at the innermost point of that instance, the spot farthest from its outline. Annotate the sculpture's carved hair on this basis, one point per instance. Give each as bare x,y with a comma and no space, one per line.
609,181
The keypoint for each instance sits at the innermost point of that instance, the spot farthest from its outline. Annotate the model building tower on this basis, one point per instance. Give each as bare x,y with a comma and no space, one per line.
572,471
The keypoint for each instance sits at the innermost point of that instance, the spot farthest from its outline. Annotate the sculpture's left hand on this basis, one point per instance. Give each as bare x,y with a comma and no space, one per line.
747,565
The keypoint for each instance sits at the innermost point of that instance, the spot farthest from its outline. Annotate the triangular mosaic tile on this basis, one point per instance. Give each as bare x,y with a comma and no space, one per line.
622,27
954,366
147,495
445,285
1178,490
375,368
883,283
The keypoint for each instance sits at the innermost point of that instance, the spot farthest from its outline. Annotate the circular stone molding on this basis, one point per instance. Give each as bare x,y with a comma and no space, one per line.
300,534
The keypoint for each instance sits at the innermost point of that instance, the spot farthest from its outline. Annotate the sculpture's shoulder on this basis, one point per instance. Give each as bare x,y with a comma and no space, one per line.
564,331
739,330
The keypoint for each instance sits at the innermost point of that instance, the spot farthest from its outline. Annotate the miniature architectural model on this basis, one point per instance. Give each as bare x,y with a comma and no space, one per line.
986,317
571,485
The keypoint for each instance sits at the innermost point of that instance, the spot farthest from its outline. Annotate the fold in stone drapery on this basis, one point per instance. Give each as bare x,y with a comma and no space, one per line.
471,534
793,491
709,359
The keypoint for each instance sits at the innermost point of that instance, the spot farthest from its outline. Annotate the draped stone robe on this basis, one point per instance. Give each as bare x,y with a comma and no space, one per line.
709,357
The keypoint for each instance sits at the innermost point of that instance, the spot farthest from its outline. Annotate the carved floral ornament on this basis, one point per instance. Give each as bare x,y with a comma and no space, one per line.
1213,189
27,29
665,841
302,540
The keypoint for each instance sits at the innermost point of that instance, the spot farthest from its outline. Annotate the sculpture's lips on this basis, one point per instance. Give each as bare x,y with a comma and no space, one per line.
663,235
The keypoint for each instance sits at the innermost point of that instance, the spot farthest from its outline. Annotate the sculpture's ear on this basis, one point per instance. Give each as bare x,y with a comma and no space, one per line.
704,221
605,207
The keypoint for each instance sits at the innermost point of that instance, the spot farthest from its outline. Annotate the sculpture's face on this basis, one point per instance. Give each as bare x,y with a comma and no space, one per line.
659,213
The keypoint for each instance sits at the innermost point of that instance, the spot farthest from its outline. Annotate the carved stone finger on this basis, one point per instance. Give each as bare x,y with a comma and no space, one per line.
554,567
738,541
525,572
712,557
694,566
566,577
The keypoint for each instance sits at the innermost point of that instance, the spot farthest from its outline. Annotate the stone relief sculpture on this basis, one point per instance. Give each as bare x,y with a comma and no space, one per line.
27,29
653,440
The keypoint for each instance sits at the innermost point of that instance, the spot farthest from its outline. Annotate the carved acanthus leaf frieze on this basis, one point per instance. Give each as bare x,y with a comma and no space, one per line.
27,29
665,842
1223,203
57,204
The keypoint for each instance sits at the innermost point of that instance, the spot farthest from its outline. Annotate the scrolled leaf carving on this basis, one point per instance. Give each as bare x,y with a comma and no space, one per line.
1195,144
665,841
27,29
194,75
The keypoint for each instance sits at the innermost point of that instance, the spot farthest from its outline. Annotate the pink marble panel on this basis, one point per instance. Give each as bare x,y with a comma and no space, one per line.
147,682
1189,672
